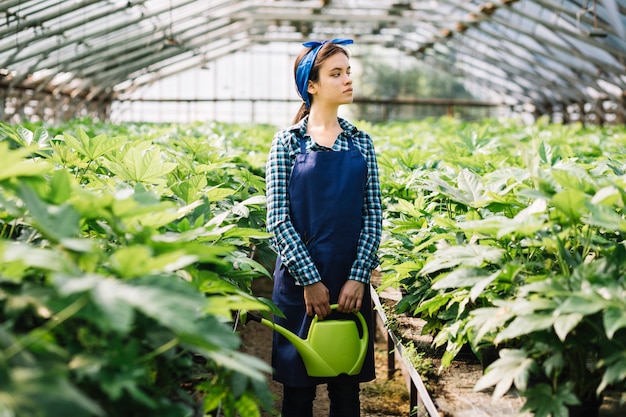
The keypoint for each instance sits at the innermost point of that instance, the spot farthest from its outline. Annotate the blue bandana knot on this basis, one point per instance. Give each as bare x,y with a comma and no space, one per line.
304,67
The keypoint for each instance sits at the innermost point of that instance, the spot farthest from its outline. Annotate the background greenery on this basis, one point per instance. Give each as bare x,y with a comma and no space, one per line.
510,237
128,251
405,81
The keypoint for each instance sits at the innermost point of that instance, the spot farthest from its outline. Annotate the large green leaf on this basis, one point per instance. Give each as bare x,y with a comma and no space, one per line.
93,147
571,202
513,366
582,304
614,319
406,269
218,193
17,258
26,138
41,391
167,299
468,255
544,402
60,187
614,370
140,164
471,185
525,325
139,260
487,320
605,217
564,324
461,277
15,163
190,189
572,175
55,222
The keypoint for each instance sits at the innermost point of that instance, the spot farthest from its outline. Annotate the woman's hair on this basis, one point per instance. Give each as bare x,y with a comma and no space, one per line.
326,51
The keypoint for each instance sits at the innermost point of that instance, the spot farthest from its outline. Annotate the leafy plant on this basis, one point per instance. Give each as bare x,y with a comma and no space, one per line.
498,236
570,330
123,260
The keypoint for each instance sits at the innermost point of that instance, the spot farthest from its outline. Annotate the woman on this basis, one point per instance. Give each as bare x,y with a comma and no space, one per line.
324,210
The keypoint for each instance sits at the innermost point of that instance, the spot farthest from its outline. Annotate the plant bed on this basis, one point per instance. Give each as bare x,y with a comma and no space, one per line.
452,388
511,238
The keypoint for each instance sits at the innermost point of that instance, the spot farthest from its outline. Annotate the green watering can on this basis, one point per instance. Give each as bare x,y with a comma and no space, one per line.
332,347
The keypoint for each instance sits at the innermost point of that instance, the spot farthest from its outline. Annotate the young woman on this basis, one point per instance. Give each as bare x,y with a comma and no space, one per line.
324,210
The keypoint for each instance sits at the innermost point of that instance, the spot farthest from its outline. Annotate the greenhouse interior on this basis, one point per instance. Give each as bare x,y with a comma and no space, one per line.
121,60
143,144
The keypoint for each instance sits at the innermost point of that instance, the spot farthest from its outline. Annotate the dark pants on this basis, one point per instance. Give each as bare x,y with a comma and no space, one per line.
344,400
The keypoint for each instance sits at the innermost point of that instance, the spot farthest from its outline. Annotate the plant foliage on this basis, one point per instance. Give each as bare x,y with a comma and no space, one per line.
125,254
510,236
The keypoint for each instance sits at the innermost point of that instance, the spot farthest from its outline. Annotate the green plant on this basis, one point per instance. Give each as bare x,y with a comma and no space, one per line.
123,259
423,365
571,337
501,243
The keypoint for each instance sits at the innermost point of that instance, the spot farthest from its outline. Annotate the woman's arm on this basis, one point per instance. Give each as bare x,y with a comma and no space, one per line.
285,240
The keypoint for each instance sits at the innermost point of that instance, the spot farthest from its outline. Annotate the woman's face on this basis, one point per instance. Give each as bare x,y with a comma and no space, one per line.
334,86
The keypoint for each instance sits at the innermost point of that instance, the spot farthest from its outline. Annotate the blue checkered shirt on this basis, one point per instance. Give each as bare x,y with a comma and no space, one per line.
285,240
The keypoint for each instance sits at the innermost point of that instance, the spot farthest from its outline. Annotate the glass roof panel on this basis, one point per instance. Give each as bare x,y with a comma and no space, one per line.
113,45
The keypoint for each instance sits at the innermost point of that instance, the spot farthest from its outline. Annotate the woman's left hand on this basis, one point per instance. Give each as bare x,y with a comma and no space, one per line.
351,296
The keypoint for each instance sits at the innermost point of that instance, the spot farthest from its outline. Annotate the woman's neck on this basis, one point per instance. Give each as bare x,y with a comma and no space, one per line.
323,126
323,118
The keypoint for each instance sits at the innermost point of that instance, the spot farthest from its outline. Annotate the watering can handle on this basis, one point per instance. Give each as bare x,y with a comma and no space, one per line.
357,314
333,307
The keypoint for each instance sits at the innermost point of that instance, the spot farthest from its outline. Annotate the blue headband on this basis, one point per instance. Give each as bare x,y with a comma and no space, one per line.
304,67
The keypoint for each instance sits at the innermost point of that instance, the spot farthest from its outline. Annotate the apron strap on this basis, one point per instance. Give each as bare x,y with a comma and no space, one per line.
350,143
302,146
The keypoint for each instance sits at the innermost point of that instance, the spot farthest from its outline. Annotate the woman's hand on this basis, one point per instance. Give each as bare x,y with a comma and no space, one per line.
317,300
351,296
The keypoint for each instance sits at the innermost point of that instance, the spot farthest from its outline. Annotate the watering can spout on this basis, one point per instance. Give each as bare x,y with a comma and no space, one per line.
332,347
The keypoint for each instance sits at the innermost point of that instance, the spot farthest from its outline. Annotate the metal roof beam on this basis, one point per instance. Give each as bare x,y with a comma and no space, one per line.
527,79
576,15
576,82
144,57
25,22
46,37
145,79
494,83
514,75
561,30
117,74
159,48
122,53
494,18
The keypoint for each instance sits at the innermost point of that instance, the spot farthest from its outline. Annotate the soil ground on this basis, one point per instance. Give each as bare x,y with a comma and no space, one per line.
451,389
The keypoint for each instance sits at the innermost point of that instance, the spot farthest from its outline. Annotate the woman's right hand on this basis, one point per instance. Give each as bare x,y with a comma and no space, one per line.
317,300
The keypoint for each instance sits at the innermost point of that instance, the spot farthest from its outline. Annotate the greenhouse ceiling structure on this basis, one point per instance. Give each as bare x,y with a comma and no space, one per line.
76,57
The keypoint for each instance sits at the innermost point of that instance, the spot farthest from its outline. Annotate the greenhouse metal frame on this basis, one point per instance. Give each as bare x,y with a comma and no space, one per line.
61,59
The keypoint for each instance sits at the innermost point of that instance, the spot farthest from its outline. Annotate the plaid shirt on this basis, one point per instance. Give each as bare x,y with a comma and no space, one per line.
287,242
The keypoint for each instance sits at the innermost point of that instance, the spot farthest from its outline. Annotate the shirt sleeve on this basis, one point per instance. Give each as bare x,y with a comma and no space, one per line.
371,230
285,240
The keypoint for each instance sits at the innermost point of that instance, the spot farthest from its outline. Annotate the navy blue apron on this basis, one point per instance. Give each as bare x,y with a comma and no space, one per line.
326,193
